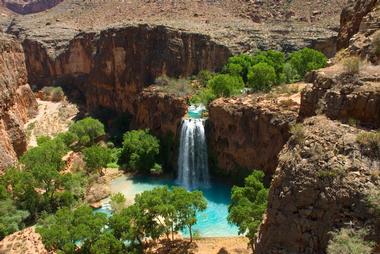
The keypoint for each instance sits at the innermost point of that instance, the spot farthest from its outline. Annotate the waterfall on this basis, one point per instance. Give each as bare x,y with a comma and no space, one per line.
193,160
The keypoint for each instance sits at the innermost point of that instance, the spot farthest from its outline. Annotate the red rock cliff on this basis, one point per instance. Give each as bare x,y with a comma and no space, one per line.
17,102
112,67
248,133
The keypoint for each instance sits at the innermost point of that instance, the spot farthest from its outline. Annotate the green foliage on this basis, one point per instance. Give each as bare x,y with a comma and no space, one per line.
349,241
62,231
86,131
290,73
204,76
107,243
225,85
140,150
11,219
203,96
261,77
248,205
118,202
156,169
239,66
47,155
97,157
306,60
273,58
42,139
157,212
351,64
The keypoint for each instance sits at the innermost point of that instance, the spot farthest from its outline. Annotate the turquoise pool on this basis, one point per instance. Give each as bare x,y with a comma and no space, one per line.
210,223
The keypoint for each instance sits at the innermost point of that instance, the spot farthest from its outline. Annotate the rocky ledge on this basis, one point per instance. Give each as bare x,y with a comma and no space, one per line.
248,132
17,101
30,6
347,97
319,186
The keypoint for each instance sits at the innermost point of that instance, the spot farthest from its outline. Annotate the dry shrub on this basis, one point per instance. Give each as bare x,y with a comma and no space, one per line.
376,42
370,141
298,133
351,64
349,241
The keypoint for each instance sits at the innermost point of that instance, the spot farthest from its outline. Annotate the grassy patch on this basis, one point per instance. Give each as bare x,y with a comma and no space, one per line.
298,132
349,241
351,65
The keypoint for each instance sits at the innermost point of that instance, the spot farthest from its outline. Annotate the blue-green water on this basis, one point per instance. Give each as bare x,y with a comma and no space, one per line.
210,223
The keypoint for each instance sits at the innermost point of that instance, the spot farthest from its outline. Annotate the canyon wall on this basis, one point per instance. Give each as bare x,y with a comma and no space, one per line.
30,6
351,19
112,67
17,102
345,97
320,185
248,133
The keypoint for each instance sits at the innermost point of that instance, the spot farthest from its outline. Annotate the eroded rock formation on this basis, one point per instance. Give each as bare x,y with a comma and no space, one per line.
30,6
351,19
24,241
347,97
112,67
17,101
320,185
248,133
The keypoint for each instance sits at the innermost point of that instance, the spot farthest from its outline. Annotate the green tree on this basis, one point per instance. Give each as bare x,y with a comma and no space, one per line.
248,205
96,158
107,244
86,131
261,77
290,74
275,59
306,60
118,202
64,230
203,96
140,150
239,66
225,85
11,219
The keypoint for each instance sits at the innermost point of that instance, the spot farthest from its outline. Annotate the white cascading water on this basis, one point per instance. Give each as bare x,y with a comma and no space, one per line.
193,160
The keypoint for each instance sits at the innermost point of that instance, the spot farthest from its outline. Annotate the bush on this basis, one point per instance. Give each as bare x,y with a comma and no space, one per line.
156,170
261,77
203,96
370,141
86,131
42,139
290,73
349,241
204,76
52,93
274,58
239,66
11,219
351,64
96,158
225,85
118,202
179,87
376,42
298,133
140,150
306,60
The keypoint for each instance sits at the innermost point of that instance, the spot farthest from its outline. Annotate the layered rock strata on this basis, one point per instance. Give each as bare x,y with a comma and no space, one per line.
320,185
17,101
248,133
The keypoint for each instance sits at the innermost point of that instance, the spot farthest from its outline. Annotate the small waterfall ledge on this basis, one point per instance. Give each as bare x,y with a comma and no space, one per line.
193,171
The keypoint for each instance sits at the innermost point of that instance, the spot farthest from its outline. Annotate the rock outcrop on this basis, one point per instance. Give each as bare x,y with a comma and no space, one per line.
320,185
248,133
30,6
342,96
112,67
160,112
351,18
25,241
17,101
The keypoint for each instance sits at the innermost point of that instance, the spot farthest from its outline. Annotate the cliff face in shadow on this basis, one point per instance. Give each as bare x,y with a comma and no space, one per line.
17,101
112,67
